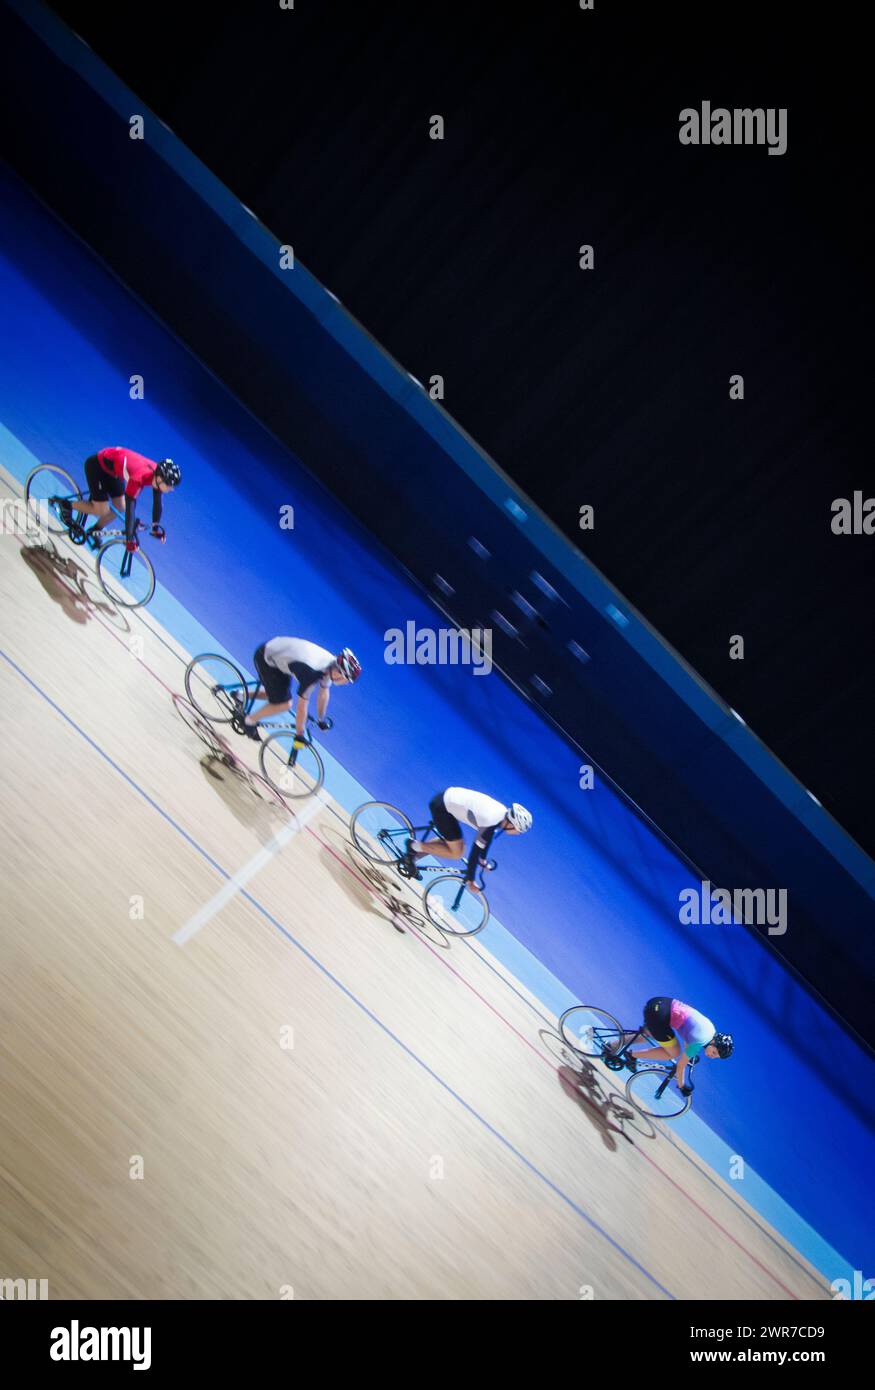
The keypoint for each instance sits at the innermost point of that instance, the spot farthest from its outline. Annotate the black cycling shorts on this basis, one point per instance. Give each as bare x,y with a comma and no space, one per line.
657,1018
444,822
277,684
102,485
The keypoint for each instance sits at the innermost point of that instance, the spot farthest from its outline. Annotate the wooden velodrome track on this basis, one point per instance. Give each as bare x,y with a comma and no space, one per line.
321,1106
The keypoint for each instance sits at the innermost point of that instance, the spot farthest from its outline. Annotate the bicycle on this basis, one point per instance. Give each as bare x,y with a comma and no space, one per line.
221,693
380,832
126,577
592,1032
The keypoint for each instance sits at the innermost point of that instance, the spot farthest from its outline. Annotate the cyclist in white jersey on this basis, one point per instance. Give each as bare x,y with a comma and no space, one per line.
283,659
456,806
682,1033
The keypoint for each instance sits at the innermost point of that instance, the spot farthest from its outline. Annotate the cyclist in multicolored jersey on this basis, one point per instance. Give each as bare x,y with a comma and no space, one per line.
448,809
682,1033
116,472
284,659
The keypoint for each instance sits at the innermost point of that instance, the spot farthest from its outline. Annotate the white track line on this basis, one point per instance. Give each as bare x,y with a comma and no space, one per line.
249,870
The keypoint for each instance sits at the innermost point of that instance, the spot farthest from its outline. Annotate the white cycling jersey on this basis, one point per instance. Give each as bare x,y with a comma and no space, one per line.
303,660
474,808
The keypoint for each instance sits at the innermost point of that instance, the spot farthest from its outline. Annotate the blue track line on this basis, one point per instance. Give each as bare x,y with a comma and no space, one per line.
563,1196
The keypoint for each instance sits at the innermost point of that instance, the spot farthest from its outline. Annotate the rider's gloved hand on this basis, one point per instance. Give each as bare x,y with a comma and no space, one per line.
158,532
324,723
473,887
132,545
686,1090
299,742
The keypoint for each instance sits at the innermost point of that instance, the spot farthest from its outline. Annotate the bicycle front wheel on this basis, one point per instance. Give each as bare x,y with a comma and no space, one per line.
590,1031
42,483
380,831
128,585
211,682
453,908
294,774
648,1090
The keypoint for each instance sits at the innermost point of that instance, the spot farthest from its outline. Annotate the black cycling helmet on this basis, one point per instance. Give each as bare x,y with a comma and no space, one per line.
169,472
723,1043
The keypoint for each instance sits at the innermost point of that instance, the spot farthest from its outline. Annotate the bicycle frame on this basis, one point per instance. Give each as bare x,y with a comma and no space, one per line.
422,833
669,1066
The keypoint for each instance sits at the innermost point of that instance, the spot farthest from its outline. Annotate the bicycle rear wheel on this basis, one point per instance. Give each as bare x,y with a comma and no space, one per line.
590,1031
130,586
645,1089
380,831
453,909
210,683
294,775
45,481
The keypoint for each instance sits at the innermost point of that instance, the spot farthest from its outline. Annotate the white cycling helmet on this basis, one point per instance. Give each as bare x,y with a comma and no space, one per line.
348,664
520,819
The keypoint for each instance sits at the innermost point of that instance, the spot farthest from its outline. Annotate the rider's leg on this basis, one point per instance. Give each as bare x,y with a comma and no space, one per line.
449,844
629,1038
275,687
441,849
667,1052
102,488
102,510
657,1026
267,711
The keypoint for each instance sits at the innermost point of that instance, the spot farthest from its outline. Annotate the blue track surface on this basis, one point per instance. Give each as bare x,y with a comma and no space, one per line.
590,893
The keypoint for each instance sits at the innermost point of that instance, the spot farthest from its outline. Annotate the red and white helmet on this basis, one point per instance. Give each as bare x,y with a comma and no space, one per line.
348,664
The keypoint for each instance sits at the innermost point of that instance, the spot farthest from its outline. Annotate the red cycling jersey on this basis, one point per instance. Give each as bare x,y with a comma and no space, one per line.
136,470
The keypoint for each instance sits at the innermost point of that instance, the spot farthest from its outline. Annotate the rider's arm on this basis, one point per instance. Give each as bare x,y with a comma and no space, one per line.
482,841
157,505
322,701
130,517
301,706
307,679
681,1068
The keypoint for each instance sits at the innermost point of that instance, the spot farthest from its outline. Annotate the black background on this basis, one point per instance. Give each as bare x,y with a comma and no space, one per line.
607,387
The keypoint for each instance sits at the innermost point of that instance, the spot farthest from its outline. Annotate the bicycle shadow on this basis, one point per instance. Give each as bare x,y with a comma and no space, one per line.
609,1113
231,780
231,785
69,584
376,890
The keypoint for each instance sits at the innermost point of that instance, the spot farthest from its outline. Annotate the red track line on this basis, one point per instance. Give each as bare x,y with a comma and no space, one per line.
715,1222
553,1068
504,1020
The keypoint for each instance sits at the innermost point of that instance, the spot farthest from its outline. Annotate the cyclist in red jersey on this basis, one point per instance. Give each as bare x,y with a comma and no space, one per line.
114,473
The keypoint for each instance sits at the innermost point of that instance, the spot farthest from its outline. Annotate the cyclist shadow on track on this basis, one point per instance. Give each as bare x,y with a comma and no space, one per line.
261,818
610,1114
376,890
70,585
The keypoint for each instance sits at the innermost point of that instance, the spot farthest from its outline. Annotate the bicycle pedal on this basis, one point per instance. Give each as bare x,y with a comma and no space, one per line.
613,1063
